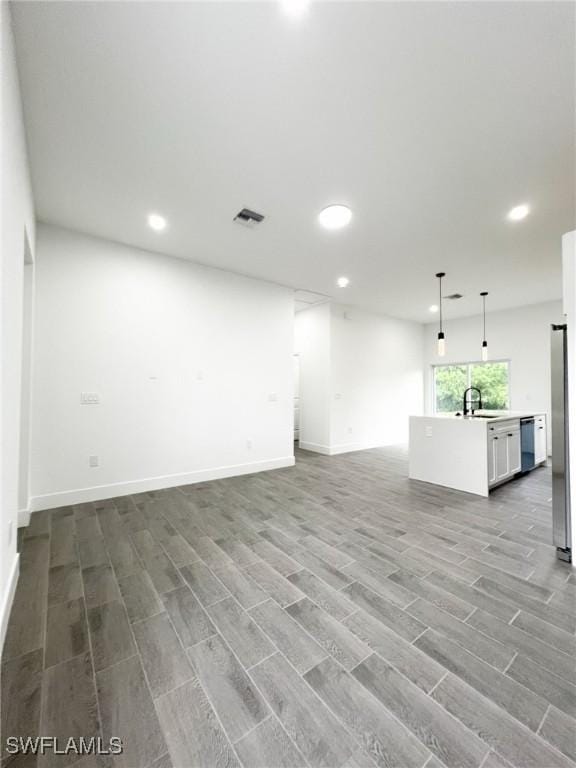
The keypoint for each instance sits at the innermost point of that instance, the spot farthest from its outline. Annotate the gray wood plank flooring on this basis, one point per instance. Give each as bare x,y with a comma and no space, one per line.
445,737
163,657
127,711
268,744
192,729
69,706
243,635
313,728
387,741
237,701
21,696
66,632
332,614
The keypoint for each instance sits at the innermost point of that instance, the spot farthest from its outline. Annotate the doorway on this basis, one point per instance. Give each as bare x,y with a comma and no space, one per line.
296,359
26,380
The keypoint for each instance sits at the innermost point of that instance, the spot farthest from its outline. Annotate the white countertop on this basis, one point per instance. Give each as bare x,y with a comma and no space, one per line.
496,416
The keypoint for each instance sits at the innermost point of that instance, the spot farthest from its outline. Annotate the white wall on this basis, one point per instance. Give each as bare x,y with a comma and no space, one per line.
193,366
520,335
17,219
377,383
361,378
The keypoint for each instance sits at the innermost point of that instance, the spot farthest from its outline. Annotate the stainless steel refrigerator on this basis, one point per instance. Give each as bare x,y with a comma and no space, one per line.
560,445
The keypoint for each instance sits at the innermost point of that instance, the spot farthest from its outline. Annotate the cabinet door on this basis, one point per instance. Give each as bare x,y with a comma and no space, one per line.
492,443
501,456
540,447
514,453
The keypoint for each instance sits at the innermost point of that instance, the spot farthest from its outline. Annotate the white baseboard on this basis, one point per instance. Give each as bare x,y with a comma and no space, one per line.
350,447
334,450
8,599
23,518
98,492
316,447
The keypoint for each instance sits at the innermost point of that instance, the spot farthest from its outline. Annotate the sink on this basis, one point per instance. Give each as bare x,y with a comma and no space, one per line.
480,416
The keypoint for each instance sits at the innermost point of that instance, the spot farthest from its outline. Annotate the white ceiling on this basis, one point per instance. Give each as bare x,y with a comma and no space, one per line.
431,120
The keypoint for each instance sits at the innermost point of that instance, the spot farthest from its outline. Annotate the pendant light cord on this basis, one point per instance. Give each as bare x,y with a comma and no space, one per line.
484,294
440,300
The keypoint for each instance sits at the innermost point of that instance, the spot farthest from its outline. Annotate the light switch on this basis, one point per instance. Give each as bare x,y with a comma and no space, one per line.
272,397
93,461
428,432
89,398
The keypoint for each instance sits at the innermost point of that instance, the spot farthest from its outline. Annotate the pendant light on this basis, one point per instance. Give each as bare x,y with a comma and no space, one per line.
484,342
441,339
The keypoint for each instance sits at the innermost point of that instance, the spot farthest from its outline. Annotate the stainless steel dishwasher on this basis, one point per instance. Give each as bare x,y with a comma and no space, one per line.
527,444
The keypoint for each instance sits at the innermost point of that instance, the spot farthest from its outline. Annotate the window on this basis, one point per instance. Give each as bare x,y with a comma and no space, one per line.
492,379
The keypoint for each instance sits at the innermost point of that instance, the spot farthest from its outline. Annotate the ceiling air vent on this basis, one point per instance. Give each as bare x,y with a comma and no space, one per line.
248,218
453,296
306,299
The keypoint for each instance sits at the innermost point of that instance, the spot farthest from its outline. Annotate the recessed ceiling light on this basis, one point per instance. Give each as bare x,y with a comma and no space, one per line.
343,282
519,212
295,8
433,308
157,222
335,216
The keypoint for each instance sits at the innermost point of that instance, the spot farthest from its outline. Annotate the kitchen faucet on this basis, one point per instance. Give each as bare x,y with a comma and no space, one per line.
472,403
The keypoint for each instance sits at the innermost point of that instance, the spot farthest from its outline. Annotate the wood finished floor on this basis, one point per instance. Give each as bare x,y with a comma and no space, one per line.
333,614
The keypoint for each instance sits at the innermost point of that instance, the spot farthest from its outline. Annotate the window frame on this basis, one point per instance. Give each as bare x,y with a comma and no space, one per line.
469,364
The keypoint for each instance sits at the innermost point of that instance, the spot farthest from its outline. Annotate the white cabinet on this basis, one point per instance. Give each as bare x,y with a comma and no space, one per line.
514,453
500,458
540,443
504,456
497,459
492,446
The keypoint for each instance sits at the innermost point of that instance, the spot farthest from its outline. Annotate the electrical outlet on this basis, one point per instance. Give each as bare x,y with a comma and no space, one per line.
350,430
89,398
249,444
428,431
93,461
272,397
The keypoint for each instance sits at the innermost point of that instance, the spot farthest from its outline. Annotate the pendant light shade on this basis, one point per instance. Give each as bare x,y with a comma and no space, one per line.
441,345
441,337
484,342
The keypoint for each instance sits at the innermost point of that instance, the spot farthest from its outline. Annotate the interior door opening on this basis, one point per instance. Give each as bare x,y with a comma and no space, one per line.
296,359
26,377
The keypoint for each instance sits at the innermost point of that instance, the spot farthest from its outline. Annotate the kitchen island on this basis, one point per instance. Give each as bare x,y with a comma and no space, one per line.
475,453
